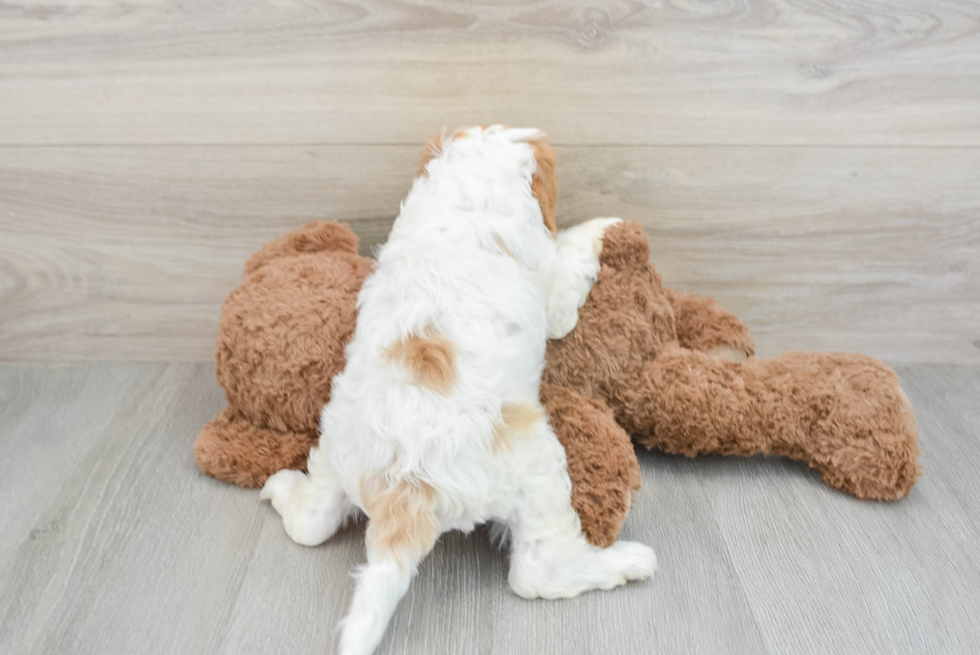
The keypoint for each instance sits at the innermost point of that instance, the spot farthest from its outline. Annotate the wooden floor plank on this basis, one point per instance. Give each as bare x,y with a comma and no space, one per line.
694,604
948,412
825,573
112,541
48,427
149,555
366,71
127,253
135,551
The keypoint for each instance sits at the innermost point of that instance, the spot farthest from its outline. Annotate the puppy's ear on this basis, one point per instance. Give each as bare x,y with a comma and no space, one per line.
433,147
544,183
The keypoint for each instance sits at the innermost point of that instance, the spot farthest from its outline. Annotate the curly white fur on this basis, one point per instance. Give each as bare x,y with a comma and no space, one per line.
435,423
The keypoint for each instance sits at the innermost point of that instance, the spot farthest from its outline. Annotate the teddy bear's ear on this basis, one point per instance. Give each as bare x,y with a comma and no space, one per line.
624,244
321,236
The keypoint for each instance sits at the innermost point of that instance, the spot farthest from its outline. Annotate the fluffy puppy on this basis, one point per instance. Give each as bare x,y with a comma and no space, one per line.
435,423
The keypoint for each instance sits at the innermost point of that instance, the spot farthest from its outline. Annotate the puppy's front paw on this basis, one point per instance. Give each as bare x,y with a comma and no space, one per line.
587,236
562,320
579,249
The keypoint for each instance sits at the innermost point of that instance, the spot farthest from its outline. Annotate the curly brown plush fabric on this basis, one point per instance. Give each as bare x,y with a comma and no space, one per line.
601,463
642,361
280,342
844,415
283,330
703,325
236,450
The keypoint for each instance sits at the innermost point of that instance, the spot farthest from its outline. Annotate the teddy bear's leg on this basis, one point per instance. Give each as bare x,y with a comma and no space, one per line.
601,463
321,236
233,450
703,325
844,415
550,557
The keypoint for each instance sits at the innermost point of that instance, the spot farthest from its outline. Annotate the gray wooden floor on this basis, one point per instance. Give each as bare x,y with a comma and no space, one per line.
111,541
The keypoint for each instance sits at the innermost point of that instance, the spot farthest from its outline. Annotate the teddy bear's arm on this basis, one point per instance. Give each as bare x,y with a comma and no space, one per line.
601,463
233,450
703,325
320,236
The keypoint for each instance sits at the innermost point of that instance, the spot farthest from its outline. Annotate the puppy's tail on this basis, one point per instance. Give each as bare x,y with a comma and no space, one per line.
402,531
380,585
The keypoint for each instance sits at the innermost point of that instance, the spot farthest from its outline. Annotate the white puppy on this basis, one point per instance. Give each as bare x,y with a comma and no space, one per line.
435,423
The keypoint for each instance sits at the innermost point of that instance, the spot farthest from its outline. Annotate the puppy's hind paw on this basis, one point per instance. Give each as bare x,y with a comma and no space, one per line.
635,560
280,488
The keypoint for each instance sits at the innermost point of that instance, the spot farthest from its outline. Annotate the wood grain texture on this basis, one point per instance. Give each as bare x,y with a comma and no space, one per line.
366,71
112,541
902,577
127,253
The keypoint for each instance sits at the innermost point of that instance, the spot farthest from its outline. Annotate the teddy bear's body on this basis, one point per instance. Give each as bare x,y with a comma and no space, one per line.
280,342
683,392
642,361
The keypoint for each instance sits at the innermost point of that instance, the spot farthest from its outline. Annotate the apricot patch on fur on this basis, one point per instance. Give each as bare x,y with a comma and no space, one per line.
433,146
544,182
430,357
402,522
515,418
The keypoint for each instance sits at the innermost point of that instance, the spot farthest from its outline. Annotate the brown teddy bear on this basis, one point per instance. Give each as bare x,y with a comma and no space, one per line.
642,361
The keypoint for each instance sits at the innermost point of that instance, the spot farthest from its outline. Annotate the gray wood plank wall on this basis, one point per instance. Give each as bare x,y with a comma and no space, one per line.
813,165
